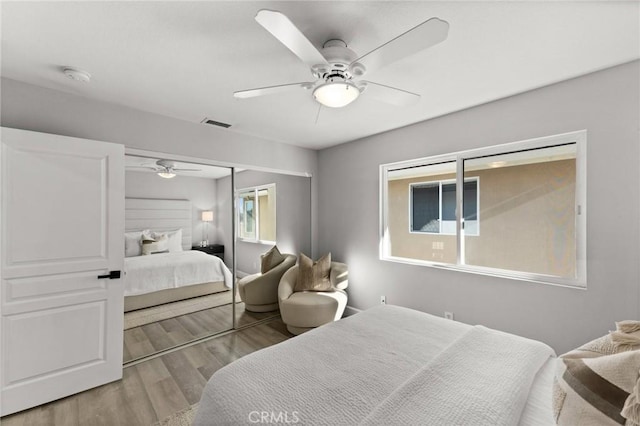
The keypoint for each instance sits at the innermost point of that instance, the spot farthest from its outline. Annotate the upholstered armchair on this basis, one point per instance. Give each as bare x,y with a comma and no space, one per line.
259,292
304,310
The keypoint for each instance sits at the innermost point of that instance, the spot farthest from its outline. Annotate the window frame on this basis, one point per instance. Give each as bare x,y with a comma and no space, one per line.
440,185
579,138
256,207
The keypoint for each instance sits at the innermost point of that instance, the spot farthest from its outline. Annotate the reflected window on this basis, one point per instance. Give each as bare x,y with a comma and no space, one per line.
256,208
433,207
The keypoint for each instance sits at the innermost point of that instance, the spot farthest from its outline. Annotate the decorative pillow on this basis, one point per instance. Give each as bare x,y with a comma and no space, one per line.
152,246
271,259
132,244
313,276
174,239
599,383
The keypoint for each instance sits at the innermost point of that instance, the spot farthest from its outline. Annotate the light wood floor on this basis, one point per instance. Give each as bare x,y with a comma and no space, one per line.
154,389
151,338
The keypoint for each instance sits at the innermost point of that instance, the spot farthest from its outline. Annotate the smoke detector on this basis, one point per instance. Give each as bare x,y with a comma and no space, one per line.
76,74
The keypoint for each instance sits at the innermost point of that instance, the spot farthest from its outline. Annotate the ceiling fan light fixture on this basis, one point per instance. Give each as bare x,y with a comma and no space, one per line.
167,174
336,94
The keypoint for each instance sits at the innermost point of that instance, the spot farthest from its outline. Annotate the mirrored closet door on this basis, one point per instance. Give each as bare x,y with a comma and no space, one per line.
272,210
178,261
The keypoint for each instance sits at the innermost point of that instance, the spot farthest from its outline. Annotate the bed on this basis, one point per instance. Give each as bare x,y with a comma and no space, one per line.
387,365
166,277
175,272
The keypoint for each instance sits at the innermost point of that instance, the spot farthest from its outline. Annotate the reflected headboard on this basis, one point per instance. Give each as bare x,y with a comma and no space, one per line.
159,215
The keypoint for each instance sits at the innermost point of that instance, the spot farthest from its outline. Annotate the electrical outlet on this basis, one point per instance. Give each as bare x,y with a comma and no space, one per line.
448,315
383,300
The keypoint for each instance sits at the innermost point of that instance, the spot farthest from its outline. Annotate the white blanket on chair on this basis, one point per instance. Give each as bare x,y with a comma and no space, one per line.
483,378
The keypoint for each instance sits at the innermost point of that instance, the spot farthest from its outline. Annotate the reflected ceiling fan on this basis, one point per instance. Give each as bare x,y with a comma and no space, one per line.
339,70
164,168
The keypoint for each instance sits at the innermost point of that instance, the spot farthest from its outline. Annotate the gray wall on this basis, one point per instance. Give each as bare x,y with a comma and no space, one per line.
28,107
605,103
293,217
202,193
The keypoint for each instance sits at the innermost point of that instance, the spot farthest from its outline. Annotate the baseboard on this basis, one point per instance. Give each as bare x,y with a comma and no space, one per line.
350,310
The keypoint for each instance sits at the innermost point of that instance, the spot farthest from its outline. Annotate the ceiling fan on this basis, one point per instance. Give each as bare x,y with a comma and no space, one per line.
339,70
165,169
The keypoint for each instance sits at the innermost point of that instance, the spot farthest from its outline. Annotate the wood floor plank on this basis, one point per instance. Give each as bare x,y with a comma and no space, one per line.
191,325
198,356
137,397
104,405
167,398
65,412
138,343
188,378
157,336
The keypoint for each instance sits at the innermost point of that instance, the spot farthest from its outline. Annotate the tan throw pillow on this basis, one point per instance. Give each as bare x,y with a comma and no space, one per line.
313,276
152,246
599,383
271,259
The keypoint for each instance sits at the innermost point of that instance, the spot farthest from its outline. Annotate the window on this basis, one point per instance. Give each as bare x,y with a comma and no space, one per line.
523,210
256,209
433,207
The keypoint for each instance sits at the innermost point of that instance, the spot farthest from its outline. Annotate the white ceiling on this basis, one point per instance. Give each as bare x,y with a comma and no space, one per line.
185,59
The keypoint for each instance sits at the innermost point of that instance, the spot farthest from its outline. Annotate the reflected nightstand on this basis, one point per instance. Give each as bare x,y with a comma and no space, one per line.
213,249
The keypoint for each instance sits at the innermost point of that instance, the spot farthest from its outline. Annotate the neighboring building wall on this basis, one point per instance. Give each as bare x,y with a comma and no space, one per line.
201,192
267,217
607,105
526,220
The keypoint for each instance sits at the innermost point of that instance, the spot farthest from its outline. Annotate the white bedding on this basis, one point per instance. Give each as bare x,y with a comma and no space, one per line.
345,372
146,274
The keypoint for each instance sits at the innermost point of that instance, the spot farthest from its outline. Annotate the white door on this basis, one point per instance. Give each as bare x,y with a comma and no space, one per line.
62,226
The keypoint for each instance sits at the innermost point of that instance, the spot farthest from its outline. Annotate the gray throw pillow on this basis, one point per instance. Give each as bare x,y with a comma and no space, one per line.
271,259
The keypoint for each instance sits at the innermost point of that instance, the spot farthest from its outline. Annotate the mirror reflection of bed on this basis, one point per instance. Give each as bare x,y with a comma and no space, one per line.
178,278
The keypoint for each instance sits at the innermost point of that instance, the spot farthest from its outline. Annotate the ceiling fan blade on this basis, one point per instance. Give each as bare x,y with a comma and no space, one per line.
187,170
141,167
421,37
390,95
252,93
288,34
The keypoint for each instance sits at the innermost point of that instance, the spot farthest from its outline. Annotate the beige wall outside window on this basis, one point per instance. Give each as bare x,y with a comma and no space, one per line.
523,211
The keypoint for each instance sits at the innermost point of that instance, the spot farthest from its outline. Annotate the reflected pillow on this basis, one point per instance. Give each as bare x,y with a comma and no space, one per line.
132,244
174,239
271,259
313,276
155,245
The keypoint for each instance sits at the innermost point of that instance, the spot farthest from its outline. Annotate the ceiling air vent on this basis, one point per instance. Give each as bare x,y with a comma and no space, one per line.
215,123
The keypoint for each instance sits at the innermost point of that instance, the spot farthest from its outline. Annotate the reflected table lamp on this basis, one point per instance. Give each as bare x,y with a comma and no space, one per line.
207,216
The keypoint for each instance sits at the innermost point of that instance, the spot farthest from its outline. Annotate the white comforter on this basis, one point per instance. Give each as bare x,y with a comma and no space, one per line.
388,365
145,274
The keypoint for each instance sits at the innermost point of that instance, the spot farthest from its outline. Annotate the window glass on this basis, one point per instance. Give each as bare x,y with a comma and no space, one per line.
528,208
521,213
426,208
256,209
